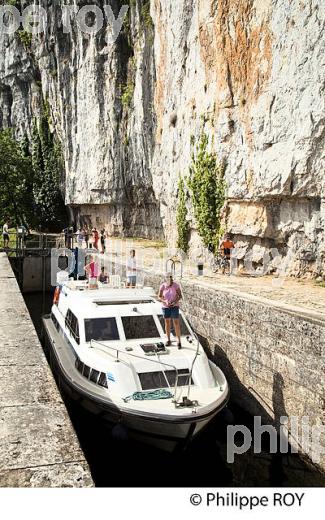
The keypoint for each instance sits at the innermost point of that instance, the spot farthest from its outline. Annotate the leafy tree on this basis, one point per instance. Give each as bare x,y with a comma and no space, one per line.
16,177
207,186
30,176
48,167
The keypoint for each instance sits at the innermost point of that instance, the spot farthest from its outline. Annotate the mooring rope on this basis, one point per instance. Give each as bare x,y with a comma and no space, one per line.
150,395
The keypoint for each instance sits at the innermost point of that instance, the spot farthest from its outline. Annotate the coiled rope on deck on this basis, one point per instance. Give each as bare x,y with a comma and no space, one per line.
150,395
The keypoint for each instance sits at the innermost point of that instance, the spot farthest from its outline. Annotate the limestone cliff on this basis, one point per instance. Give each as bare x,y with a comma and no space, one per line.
250,73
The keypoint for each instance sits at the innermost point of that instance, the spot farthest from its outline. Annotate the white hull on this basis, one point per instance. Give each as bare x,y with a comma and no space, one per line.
165,432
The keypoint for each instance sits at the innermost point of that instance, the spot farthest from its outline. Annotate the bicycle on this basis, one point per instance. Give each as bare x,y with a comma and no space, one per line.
220,263
171,266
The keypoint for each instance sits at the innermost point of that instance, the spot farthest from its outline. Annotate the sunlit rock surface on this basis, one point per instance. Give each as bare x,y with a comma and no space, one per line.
250,73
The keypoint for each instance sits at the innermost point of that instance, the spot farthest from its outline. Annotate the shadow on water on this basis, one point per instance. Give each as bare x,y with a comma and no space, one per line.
116,461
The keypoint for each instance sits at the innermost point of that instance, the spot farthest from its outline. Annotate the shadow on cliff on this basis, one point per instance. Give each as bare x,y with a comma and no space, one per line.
276,469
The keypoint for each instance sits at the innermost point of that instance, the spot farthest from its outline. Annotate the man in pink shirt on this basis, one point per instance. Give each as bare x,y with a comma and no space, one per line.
170,294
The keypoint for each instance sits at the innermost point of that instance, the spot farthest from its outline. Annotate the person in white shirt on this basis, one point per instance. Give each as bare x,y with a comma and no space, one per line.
80,237
131,270
5,235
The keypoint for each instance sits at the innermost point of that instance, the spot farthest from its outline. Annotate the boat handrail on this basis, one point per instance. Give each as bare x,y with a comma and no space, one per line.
143,358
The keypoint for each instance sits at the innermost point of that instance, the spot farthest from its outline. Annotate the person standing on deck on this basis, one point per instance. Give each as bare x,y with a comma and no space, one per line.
170,295
131,270
103,277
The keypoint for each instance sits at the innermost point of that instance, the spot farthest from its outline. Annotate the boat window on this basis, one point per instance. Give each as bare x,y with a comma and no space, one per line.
102,381
71,323
184,328
86,371
152,380
101,329
138,327
94,375
79,365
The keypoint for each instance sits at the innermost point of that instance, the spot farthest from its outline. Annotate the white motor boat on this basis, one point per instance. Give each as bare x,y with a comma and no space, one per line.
107,347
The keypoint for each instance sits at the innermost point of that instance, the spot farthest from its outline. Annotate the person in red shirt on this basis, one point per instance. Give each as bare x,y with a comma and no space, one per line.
226,246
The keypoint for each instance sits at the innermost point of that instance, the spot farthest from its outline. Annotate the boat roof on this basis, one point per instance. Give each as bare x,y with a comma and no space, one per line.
108,301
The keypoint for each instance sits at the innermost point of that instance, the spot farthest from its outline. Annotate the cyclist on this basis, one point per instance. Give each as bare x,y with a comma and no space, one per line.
226,246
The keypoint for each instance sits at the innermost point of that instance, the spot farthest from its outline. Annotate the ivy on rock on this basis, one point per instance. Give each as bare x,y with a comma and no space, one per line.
183,229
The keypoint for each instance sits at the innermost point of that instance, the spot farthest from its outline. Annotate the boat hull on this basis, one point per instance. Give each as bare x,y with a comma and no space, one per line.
167,434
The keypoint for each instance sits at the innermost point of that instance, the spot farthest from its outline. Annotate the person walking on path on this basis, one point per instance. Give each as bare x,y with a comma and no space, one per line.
65,231
80,237
95,238
170,295
131,270
102,240
21,236
70,237
86,236
92,271
5,235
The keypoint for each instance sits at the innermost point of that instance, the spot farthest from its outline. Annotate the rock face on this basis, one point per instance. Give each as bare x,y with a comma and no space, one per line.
248,73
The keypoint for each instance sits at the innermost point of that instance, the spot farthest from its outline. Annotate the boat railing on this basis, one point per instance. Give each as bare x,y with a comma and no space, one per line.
143,358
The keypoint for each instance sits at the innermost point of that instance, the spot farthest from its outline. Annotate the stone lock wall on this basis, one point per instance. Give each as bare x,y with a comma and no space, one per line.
273,357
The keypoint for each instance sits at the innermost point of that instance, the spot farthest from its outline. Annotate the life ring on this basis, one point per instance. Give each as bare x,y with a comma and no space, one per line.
56,295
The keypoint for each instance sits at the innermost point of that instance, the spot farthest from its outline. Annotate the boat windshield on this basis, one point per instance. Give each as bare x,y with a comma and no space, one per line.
101,329
139,327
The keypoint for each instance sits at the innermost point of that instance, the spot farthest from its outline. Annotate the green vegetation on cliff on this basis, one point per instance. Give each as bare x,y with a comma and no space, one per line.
48,166
183,230
16,174
30,182
207,186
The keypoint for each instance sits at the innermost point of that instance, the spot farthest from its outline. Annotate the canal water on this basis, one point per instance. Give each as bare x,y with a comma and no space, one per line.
116,461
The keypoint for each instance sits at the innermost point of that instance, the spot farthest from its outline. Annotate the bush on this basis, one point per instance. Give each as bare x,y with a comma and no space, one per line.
207,187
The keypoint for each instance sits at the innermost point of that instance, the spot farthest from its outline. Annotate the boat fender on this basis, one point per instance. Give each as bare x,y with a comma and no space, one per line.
56,295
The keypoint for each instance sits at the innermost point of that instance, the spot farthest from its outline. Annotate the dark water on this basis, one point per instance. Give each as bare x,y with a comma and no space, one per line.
116,461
